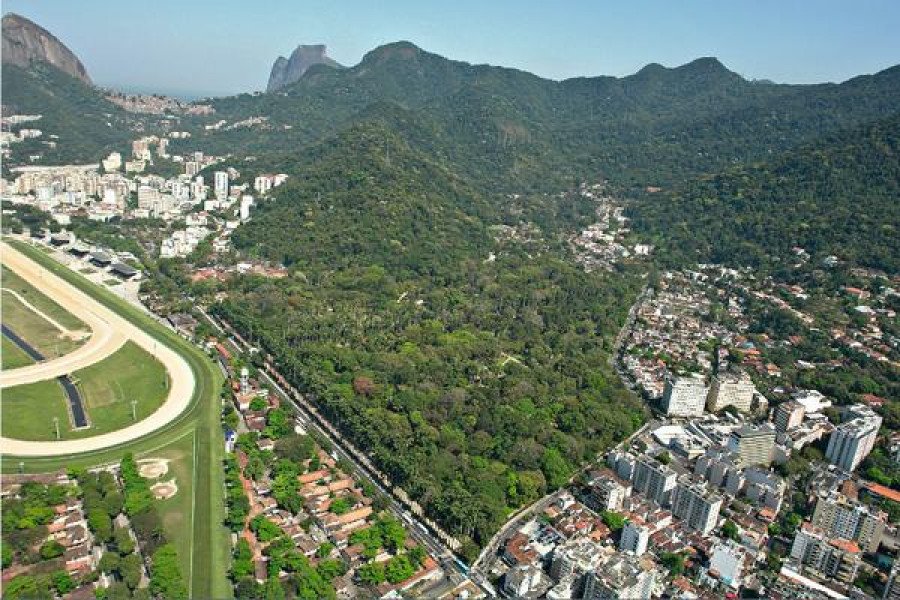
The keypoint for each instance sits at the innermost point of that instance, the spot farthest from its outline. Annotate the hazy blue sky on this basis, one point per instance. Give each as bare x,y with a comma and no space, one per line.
228,46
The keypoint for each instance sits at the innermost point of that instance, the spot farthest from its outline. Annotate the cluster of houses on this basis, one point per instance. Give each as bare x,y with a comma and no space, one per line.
673,331
321,487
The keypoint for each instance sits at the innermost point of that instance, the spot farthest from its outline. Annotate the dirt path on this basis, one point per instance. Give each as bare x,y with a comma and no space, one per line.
110,332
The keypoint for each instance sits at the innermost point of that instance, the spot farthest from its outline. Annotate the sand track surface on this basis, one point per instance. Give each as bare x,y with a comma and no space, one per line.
109,331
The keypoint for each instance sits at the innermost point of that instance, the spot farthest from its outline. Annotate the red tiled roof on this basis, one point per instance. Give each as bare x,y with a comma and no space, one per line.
884,492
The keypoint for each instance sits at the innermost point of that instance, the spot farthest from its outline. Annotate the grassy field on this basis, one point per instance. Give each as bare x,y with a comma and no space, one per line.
28,413
12,281
107,389
209,538
35,329
176,512
13,356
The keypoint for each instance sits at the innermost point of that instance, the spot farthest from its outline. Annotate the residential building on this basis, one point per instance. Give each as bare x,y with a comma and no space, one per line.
696,505
635,537
828,558
606,491
524,581
622,576
853,439
654,480
788,415
685,396
753,444
575,558
813,401
840,516
726,563
731,389
220,184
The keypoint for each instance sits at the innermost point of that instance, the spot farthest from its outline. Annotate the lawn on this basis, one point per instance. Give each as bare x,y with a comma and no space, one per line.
176,512
13,356
211,547
111,282
107,388
12,281
35,329
28,411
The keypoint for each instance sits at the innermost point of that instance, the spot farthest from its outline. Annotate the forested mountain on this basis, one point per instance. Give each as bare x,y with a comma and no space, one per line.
838,196
87,125
652,128
473,369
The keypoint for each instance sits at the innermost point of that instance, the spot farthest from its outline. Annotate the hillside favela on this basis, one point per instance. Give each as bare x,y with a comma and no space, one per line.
408,300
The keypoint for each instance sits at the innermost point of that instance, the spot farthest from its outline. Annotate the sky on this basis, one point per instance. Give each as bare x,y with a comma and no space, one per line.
206,47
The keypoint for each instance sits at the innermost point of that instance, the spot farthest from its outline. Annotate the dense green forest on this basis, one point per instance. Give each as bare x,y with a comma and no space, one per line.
838,196
477,383
87,125
513,130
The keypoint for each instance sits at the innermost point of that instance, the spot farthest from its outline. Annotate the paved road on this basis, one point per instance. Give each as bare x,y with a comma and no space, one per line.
110,331
79,418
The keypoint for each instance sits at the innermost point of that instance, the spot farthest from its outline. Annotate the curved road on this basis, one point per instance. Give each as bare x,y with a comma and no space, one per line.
110,332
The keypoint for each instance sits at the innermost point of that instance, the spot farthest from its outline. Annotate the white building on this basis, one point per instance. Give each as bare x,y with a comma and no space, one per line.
753,445
843,517
607,491
685,396
727,563
696,505
246,204
852,440
522,580
220,184
635,537
654,480
113,162
622,576
789,415
730,389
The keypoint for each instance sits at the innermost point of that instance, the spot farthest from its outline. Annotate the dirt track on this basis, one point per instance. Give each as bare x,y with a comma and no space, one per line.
109,333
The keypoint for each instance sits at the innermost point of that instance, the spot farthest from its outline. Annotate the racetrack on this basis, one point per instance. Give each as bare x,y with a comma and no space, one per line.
109,332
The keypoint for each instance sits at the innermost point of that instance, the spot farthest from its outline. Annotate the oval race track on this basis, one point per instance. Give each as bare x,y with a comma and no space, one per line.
109,332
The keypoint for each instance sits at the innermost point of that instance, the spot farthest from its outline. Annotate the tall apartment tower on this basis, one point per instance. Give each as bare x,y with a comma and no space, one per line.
788,415
826,557
685,396
842,517
696,505
654,480
853,439
753,445
635,537
220,184
731,389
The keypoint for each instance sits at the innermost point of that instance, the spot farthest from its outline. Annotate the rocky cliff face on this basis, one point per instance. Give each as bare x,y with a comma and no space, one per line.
286,71
25,42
